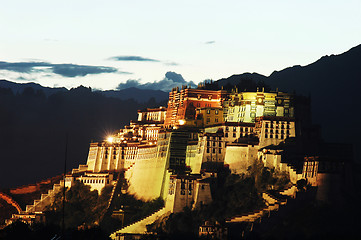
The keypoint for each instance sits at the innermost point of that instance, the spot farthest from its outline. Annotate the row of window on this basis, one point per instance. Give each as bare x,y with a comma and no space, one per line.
277,131
214,150
94,181
278,124
282,136
209,120
235,135
214,144
215,112
241,129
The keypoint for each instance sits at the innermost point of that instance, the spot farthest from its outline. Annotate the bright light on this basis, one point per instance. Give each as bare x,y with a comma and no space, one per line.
182,122
110,139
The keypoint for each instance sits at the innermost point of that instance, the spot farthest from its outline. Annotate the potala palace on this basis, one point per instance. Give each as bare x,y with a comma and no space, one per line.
170,152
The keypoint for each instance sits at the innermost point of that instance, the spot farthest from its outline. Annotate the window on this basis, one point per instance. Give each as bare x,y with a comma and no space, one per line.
208,111
216,120
226,134
234,134
207,149
220,150
216,111
208,120
214,150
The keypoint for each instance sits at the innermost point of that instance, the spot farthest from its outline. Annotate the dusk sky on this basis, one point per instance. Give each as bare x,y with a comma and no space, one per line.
104,43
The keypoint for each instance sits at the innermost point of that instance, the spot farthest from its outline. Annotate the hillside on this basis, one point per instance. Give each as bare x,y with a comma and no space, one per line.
139,95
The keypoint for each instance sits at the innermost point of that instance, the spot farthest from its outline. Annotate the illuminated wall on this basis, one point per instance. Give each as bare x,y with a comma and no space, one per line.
240,157
182,103
147,178
187,191
273,130
214,147
247,106
210,116
105,157
152,114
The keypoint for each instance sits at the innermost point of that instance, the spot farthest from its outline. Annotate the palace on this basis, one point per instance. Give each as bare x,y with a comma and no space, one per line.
172,152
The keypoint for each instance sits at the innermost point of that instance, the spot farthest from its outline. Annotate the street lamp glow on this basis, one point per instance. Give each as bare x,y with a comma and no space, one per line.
110,139
182,122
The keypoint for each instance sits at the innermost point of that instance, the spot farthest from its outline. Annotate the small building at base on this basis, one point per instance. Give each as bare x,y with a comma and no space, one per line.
187,191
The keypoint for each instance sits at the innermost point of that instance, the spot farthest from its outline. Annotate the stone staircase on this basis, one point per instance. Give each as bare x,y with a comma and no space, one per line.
45,200
272,204
139,227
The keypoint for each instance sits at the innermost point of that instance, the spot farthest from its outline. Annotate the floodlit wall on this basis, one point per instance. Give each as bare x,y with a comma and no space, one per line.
240,157
105,157
187,192
274,131
202,194
194,156
147,178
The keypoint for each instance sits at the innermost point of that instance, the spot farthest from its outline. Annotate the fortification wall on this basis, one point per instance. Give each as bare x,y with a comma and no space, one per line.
148,177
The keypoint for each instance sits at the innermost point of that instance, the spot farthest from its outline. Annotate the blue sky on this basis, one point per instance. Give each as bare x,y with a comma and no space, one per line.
102,44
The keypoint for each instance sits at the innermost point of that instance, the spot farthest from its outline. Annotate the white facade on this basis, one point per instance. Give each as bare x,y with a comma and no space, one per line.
187,191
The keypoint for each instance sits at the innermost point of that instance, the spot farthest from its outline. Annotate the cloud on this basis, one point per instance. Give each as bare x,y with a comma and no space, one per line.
171,63
129,83
22,67
133,58
210,42
170,81
72,70
65,70
175,77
